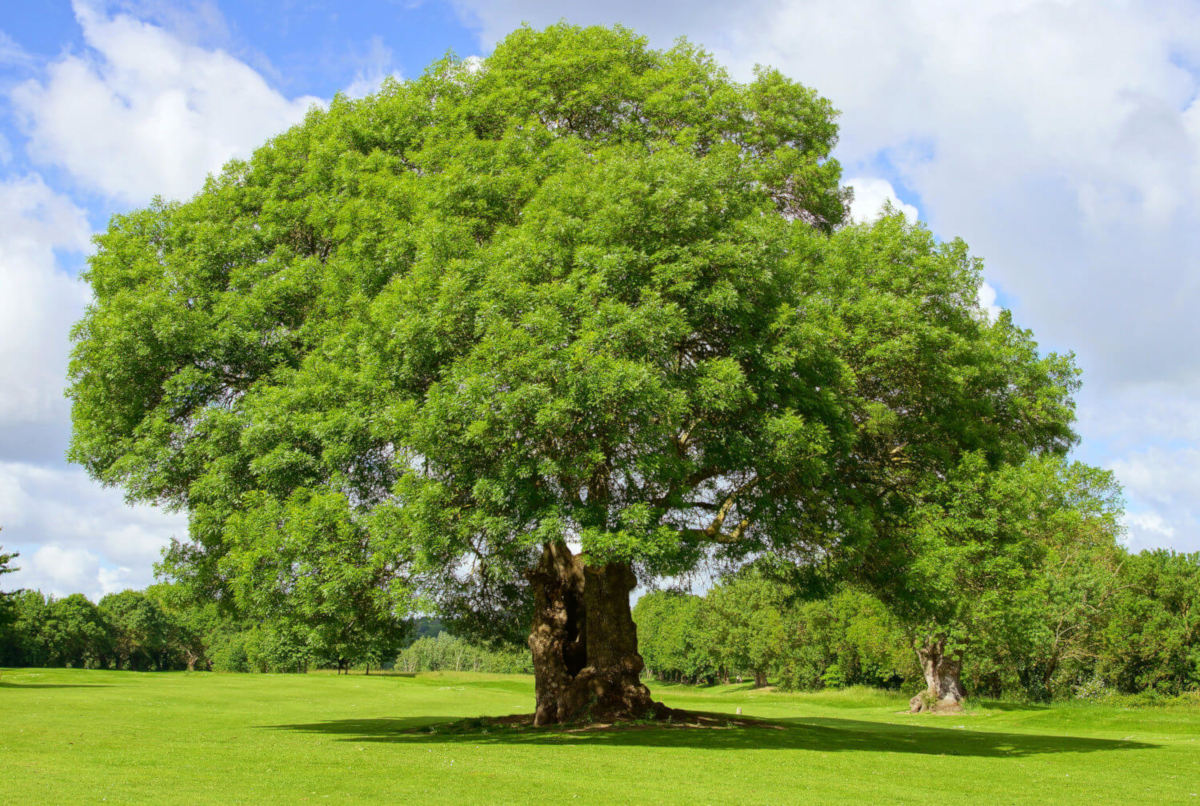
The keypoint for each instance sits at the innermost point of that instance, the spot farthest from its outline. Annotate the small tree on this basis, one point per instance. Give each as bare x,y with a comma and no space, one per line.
78,634
981,545
745,624
1151,640
7,605
671,638
847,638
141,630
27,642
8,609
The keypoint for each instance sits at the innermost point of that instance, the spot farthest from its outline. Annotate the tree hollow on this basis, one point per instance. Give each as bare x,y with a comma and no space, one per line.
584,642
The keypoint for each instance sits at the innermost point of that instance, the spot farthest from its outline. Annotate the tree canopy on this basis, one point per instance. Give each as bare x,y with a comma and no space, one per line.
583,294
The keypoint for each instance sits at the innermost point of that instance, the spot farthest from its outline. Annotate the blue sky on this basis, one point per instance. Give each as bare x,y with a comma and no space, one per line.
1061,139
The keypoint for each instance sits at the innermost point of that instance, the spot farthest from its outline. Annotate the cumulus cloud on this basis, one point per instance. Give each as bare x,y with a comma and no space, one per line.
60,572
871,197
987,300
159,114
38,299
140,111
71,532
12,54
1163,486
1147,530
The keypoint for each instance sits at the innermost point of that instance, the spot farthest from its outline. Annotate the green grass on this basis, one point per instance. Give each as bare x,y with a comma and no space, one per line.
70,736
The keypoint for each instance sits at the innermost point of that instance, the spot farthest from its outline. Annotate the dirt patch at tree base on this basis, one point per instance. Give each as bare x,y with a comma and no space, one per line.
663,717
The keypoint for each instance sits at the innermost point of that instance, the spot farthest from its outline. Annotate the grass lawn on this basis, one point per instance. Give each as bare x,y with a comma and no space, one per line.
89,736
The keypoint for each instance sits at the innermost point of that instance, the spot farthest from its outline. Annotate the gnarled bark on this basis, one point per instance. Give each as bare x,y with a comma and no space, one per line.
944,691
584,642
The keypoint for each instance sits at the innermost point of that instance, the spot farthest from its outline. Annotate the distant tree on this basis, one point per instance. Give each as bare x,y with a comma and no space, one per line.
981,543
847,638
279,647
26,642
1152,638
446,652
308,567
672,639
426,627
8,611
1071,591
743,618
193,624
143,635
78,634
7,606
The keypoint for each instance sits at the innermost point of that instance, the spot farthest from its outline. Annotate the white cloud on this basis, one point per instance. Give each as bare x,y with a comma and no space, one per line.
376,66
72,532
141,112
872,195
1147,530
987,301
1162,484
11,52
38,300
59,572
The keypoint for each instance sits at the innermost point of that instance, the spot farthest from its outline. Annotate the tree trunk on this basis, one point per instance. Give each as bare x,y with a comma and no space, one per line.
584,642
760,679
944,690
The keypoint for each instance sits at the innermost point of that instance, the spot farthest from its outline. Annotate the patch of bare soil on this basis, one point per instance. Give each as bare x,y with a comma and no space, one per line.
666,718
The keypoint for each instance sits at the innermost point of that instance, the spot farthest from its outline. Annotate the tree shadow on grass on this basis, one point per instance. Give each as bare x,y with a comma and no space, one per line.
822,734
1002,705
33,685
5,684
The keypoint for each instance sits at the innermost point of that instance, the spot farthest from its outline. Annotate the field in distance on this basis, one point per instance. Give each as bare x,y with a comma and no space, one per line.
90,736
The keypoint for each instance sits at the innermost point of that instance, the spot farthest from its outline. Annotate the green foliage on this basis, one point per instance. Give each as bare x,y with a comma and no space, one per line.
1011,565
672,638
26,642
584,289
76,633
452,654
1151,641
143,633
848,639
7,607
744,625
747,626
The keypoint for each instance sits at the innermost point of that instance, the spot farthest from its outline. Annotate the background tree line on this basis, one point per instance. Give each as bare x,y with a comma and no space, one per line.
163,629
1128,627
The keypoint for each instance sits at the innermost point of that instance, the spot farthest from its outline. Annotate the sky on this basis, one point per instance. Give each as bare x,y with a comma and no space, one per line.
1060,139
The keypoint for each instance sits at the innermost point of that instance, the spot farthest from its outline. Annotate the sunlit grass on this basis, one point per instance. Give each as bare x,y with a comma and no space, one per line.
83,736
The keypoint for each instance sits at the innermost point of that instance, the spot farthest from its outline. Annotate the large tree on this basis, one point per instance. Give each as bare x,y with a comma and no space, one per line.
537,326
